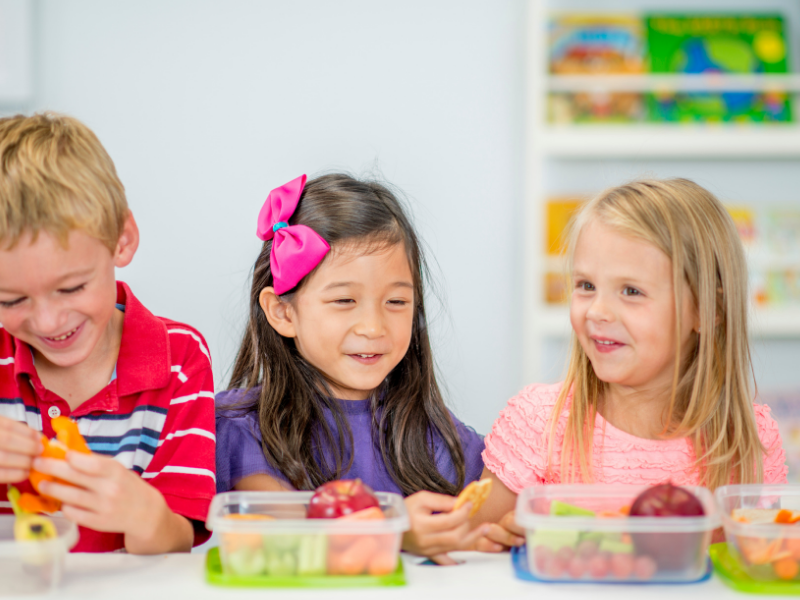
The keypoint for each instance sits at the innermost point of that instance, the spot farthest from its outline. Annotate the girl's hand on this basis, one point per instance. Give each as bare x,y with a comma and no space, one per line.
435,530
502,535
105,496
19,445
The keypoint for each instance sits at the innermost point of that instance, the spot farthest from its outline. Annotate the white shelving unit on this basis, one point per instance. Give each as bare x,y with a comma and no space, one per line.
547,142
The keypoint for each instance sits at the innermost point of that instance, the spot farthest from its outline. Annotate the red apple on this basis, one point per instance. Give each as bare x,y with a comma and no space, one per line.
671,551
340,498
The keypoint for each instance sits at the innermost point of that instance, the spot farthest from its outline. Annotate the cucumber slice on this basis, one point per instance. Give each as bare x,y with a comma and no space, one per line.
562,509
615,547
247,562
312,557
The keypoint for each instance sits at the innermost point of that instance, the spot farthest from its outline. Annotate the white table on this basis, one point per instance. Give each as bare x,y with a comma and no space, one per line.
484,576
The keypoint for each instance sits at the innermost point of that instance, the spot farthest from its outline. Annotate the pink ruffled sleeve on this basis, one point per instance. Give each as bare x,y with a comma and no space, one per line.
516,447
775,469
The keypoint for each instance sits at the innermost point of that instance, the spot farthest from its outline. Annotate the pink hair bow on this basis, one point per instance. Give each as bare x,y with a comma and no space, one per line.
297,249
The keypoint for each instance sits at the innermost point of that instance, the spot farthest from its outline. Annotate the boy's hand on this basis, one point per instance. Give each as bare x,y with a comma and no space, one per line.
502,535
19,445
105,496
433,534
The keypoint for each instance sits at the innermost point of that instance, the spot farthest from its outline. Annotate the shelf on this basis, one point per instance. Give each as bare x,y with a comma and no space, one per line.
674,83
678,141
771,323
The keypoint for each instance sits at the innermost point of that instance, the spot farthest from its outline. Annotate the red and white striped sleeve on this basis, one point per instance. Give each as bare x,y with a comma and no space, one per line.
183,466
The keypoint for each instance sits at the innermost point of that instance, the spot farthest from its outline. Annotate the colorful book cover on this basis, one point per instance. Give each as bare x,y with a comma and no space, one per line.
596,45
556,287
744,218
717,43
558,216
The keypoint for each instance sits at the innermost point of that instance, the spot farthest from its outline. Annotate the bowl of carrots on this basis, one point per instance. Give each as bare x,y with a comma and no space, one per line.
762,528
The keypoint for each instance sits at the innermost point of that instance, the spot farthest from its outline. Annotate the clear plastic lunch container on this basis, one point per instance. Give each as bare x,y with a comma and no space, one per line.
582,533
268,534
37,566
764,549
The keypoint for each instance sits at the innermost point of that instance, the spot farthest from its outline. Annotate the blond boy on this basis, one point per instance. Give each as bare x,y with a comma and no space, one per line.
76,342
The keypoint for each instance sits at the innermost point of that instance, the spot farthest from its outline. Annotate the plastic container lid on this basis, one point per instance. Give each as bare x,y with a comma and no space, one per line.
757,495
12,549
533,509
289,509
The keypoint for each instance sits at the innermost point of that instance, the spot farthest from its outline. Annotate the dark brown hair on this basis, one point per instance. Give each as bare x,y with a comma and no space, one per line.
408,408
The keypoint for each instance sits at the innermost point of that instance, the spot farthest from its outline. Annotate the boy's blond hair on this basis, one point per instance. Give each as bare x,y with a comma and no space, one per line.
711,401
56,176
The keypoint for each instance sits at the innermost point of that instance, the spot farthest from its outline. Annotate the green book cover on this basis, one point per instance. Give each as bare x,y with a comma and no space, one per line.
718,43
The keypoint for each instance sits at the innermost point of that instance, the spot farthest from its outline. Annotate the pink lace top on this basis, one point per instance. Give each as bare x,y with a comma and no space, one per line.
516,448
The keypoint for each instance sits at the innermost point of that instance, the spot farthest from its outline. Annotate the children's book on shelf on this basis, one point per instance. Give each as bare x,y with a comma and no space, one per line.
584,44
740,44
771,236
669,43
558,216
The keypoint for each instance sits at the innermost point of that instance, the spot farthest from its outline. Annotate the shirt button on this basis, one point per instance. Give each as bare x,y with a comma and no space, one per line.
54,412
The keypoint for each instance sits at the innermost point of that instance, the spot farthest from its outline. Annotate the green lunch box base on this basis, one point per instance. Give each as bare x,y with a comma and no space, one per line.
732,575
215,576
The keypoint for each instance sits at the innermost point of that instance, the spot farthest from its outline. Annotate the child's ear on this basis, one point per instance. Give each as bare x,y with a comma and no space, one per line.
278,312
128,242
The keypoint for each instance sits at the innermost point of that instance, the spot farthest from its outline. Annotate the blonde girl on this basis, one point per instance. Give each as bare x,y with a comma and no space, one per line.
659,382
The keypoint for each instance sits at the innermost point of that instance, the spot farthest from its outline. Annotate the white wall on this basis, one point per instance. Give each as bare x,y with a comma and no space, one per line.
206,105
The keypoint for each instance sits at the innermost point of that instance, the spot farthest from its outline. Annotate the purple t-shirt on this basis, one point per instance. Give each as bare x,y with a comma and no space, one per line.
239,452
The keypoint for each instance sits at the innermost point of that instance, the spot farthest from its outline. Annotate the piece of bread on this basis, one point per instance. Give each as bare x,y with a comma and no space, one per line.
755,515
476,492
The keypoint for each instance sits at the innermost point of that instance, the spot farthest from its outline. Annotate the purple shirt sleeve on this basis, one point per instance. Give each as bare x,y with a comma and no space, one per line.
472,446
239,452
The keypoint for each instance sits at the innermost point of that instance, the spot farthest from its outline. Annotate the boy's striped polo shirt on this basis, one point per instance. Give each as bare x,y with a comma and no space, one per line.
156,416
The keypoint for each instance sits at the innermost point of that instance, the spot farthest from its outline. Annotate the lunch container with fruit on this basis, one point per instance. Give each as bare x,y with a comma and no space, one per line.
762,530
33,566
616,533
283,539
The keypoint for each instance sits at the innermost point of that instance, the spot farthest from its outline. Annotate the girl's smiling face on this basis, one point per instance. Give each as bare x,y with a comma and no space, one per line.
623,309
352,318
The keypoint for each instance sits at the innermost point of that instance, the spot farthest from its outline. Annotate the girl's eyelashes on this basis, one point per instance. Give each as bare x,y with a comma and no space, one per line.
631,291
344,301
398,302
584,286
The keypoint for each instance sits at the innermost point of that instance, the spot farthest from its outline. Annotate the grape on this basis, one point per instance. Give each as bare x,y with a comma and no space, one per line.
577,567
566,554
554,567
598,566
622,565
644,567
541,554
587,549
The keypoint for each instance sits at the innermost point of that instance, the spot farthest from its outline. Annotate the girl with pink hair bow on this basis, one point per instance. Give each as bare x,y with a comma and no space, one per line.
335,377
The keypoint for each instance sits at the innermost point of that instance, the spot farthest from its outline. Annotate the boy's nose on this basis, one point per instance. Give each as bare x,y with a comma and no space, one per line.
46,320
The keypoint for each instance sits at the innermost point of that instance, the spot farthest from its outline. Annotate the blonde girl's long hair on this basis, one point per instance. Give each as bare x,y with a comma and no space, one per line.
711,401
